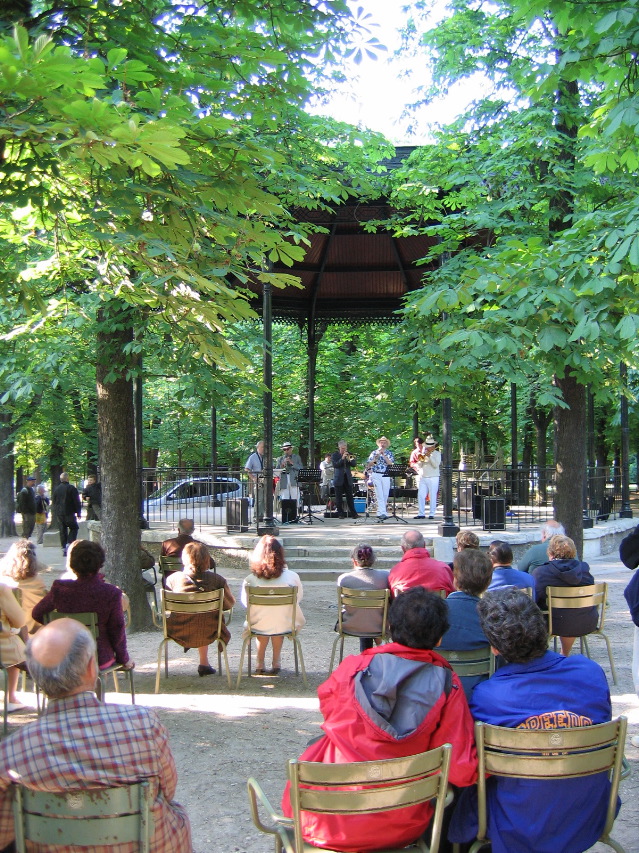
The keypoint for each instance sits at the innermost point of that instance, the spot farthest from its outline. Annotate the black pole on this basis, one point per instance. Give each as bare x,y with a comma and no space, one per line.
213,439
626,511
589,479
415,420
139,439
514,451
268,524
448,527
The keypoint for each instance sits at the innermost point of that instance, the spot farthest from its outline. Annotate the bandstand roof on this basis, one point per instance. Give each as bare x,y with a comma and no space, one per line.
347,274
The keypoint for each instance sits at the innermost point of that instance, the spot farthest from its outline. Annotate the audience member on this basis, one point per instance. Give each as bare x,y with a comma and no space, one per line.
471,572
268,568
418,568
173,547
90,593
564,569
12,619
536,689
398,699
466,539
363,576
20,567
538,554
197,630
80,743
501,556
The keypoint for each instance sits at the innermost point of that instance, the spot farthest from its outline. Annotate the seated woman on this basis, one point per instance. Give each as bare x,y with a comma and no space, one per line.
564,569
504,575
472,571
360,620
11,646
197,630
20,567
90,593
268,568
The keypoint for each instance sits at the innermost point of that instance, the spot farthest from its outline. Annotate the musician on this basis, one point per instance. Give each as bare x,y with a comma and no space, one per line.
425,461
326,467
254,466
290,463
343,461
377,463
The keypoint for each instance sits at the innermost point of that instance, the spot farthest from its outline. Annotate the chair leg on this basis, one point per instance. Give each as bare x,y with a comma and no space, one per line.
239,671
298,644
5,727
100,691
163,645
335,642
341,649
610,658
221,649
132,685
297,669
584,645
116,686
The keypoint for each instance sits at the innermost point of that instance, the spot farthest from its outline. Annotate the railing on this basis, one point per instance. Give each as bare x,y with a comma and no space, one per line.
169,494
506,497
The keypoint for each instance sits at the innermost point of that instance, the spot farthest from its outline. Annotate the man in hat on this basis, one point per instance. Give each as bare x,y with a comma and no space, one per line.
425,461
376,465
26,506
290,463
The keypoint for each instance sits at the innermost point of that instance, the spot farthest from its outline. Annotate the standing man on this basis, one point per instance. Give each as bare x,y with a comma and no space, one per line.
343,461
326,467
81,743
377,463
26,506
425,461
42,511
290,463
66,506
254,467
92,494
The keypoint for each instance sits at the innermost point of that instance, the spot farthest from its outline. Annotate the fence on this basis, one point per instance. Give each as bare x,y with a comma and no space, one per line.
169,494
500,498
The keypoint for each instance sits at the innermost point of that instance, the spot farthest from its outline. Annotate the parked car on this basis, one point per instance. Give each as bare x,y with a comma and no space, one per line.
197,490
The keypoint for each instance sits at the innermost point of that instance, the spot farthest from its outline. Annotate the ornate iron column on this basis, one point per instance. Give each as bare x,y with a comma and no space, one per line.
626,511
268,524
448,527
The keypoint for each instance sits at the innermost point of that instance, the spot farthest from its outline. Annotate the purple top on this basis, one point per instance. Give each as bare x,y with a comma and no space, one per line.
91,595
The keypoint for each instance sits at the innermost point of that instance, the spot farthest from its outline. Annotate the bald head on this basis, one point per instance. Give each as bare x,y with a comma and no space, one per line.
551,528
412,539
61,658
64,477
186,525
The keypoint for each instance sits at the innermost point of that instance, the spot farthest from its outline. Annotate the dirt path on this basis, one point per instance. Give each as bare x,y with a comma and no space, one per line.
220,737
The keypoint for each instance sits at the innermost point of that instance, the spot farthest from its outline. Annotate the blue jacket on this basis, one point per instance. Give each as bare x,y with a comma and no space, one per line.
631,592
465,632
504,576
550,816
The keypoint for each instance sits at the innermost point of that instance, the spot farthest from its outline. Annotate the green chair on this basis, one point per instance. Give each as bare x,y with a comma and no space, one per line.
471,662
550,754
90,621
576,598
363,787
83,818
350,600
168,565
5,674
192,603
284,597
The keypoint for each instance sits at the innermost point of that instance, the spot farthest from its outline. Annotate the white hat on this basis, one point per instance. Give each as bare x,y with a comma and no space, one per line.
286,444
430,441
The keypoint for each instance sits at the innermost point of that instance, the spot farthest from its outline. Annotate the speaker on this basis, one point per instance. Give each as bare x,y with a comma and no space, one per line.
289,510
237,515
493,512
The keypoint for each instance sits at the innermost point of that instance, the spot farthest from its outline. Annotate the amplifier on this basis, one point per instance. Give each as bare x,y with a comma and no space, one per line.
237,515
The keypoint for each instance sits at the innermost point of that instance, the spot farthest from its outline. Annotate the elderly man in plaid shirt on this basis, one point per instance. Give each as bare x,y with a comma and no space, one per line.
82,743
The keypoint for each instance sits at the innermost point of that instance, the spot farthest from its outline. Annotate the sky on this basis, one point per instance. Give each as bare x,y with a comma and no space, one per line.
377,92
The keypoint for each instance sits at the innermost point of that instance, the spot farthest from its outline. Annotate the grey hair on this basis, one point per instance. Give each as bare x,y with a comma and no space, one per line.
342,443
412,539
552,528
58,681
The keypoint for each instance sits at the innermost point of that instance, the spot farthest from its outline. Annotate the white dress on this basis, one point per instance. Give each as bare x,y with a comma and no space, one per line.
269,619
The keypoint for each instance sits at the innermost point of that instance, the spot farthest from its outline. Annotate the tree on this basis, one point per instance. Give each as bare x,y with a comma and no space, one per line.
527,278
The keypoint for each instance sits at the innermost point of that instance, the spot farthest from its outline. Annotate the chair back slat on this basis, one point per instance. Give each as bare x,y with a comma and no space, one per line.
368,772
89,620
470,662
367,800
192,602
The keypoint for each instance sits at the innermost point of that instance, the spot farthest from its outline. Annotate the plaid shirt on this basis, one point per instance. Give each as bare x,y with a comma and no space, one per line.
82,743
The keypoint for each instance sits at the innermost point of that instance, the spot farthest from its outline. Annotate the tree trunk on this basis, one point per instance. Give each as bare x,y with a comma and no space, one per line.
7,492
116,440
570,459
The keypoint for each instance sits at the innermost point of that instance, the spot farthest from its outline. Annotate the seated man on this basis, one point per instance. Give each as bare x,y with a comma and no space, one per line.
174,547
536,689
472,571
418,568
501,557
395,700
538,554
82,743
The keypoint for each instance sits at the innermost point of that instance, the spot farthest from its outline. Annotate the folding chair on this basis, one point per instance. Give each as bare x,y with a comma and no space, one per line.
550,754
192,603
90,621
167,566
577,598
284,597
83,818
360,788
471,662
351,600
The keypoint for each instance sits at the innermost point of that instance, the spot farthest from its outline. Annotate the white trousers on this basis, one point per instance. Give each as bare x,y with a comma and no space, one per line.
290,493
427,487
382,489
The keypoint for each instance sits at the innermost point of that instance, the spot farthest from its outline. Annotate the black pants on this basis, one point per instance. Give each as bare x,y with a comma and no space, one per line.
345,489
68,530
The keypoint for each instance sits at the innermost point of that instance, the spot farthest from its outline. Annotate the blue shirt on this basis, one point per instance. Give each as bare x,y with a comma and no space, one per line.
465,633
380,465
505,576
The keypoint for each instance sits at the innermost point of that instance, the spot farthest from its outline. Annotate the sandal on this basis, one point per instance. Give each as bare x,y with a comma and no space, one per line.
275,670
260,670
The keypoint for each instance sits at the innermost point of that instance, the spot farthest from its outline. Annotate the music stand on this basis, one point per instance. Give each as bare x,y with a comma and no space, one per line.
308,475
394,471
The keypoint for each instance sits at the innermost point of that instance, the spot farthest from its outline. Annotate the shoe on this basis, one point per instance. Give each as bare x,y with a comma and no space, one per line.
260,671
341,515
635,740
431,516
204,669
382,516
354,515
14,706
419,516
275,670
64,552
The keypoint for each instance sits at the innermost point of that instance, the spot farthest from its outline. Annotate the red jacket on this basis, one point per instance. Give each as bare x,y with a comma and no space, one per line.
418,568
356,731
